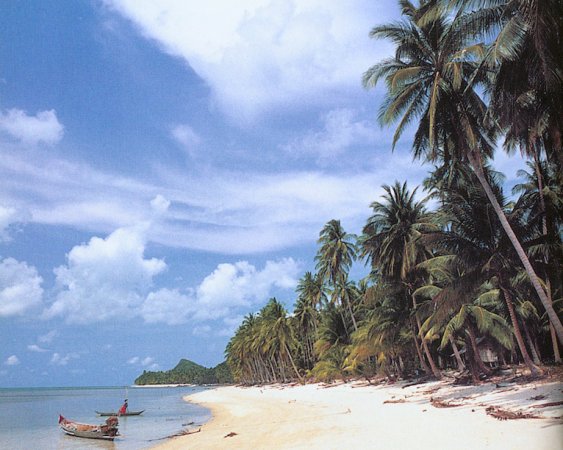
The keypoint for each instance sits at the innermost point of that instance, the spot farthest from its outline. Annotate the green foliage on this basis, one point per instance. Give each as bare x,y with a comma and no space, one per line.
187,372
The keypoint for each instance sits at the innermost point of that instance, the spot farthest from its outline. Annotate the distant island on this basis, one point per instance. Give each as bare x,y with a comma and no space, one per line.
187,372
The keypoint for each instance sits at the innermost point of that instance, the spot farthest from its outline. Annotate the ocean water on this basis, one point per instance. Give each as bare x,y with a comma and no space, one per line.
29,417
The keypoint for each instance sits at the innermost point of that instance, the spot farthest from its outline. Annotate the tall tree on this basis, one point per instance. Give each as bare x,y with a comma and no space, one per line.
335,257
391,242
433,78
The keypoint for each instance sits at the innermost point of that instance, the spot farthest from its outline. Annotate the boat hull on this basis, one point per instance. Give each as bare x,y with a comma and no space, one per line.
130,413
104,432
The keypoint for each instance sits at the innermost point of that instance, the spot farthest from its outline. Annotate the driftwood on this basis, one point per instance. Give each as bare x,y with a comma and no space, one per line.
546,405
231,434
439,403
400,400
505,414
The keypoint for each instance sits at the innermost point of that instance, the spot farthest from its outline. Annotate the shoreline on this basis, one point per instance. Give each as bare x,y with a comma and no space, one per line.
386,416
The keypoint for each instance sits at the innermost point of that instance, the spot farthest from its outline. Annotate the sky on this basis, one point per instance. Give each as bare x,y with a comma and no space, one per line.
166,168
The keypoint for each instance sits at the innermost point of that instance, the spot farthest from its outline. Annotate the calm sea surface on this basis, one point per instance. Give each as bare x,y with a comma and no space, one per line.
29,417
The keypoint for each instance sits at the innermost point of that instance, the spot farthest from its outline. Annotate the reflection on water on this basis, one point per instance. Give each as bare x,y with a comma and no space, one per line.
29,417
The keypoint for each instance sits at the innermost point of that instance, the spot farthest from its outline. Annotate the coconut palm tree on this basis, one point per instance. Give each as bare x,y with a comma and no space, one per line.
391,243
433,78
480,248
335,257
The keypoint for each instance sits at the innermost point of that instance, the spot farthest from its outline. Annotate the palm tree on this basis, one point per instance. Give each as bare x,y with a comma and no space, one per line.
390,241
542,197
481,251
433,78
335,258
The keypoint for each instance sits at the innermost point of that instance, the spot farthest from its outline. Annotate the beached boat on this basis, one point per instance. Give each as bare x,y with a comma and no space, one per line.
128,413
107,431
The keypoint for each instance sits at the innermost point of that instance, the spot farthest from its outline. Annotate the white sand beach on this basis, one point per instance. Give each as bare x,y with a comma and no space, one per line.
357,415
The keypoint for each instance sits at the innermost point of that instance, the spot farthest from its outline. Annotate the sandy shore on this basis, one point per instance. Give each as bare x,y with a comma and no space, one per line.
356,416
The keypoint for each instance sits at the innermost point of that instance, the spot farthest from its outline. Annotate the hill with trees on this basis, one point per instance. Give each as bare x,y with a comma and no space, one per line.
187,372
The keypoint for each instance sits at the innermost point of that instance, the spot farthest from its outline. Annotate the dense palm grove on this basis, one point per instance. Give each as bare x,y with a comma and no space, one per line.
457,264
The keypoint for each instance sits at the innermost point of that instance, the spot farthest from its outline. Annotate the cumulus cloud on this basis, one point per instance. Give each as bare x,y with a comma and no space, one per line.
262,53
231,286
12,361
43,127
167,306
20,288
105,278
340,131
221,294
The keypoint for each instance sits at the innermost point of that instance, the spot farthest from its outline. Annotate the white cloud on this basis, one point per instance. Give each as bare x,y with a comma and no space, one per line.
9,216
226,211
20,288
341,130
35,348
147,362
187,137
232,286
160,205
167,306
255,54
105,278
47,338
43,127
12,361
226,290
59,360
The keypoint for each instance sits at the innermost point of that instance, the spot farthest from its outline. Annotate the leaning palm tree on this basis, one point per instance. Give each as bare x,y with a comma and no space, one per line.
335,257
433,79
481,252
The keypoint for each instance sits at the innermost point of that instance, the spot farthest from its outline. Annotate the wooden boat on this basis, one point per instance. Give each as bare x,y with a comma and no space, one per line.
107,431
128,413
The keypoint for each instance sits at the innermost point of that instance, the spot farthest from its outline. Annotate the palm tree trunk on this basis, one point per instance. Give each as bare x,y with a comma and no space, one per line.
543,209
423,364
477,167
475,349
460,364
435,371
293,364
518,334
533,350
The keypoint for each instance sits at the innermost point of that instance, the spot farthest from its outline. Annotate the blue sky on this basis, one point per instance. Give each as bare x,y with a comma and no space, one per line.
166,168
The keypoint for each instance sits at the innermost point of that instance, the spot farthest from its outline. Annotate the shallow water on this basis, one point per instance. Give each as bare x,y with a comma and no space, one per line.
29,417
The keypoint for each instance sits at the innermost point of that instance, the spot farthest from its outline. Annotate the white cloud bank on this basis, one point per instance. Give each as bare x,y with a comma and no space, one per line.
259,54
105,278
20,288
43,127
111,279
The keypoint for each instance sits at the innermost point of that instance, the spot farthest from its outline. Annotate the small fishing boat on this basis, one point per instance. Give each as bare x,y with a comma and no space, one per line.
128,413
107,431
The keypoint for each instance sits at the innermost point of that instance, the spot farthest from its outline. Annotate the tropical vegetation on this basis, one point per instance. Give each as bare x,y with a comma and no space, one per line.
462,274
187,372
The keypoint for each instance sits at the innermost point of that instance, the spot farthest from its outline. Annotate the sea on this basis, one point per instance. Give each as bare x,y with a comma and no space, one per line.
29,416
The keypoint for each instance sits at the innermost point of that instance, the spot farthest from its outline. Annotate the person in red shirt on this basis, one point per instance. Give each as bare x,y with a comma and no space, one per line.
123,409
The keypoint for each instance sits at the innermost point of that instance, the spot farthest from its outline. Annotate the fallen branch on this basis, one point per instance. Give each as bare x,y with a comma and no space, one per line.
546,405
400,400
505,414
439,403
